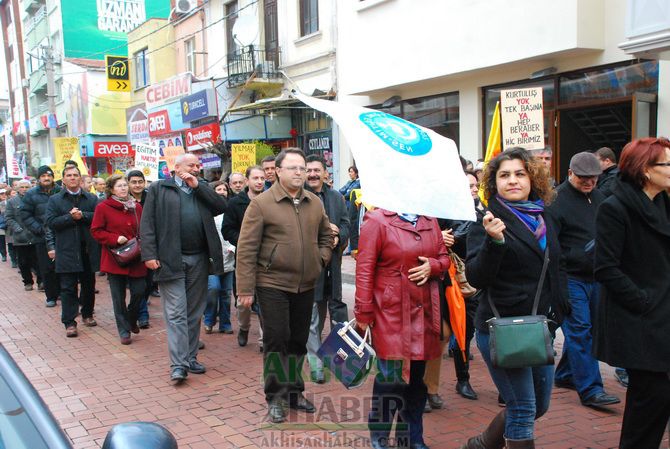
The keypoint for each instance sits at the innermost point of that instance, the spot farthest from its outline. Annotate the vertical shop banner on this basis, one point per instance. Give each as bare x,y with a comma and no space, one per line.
522,118
16,161
390,151
243,157
171,154
147,160
64,150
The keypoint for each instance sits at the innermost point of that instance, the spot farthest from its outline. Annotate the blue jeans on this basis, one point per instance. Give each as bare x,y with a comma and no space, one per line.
526,392
219,289
577,363
143,311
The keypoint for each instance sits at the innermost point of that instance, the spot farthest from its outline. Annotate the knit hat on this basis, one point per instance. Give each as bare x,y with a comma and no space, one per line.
44,170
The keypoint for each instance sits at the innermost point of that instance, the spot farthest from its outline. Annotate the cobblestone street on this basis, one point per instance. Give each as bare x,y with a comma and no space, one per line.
93,382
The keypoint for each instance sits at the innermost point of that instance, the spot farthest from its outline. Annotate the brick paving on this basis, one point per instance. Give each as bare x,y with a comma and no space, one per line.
92,382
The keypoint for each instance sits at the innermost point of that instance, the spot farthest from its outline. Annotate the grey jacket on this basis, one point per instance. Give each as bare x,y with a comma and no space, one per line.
20,232
160,227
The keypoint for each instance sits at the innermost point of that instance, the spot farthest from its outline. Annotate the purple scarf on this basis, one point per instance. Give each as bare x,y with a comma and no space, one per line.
530,214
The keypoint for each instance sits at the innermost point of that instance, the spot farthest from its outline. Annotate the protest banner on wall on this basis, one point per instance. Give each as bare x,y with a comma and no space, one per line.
522,118
243,157
146,160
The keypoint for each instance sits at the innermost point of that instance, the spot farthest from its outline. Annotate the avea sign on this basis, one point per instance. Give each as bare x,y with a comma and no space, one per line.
113,149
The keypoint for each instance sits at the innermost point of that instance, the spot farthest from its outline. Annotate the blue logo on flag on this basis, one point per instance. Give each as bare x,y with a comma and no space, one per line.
401,135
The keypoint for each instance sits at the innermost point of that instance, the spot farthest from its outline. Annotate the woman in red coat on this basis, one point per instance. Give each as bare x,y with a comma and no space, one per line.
116,220
401,258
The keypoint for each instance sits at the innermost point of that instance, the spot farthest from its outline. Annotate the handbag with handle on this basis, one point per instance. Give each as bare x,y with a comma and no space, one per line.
521,341
129,252
467,290
348,355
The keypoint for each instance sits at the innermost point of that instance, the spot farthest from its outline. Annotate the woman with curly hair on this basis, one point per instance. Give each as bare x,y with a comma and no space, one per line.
505,256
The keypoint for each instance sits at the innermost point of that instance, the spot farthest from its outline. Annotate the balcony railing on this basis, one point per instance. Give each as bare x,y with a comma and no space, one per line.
250,59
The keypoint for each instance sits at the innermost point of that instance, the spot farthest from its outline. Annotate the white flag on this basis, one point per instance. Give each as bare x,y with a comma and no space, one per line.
403,167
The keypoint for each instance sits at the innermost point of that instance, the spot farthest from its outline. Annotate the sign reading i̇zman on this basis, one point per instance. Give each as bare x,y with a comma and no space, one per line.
120,16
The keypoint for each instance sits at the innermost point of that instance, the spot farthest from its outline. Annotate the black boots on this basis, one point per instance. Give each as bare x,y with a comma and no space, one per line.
519,444
492,437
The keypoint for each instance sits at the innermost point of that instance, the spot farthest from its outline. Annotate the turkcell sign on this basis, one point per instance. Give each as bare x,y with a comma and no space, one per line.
169,90
113,149
203,136
198,105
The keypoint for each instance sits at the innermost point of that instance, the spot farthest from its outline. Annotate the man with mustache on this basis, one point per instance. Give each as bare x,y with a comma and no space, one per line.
328,292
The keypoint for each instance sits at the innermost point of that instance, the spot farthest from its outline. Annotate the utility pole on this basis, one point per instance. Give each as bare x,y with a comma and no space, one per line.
48,58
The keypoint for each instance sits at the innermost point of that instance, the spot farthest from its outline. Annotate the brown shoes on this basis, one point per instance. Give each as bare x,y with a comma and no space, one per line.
71,331
89,322
126,340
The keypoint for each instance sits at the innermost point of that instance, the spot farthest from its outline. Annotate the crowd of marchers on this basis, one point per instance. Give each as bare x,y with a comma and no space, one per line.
594,250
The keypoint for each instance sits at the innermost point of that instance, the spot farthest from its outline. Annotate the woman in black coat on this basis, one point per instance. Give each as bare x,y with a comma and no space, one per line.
505,256
632,263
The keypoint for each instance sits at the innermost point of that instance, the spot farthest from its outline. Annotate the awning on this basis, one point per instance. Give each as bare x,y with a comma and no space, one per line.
282,101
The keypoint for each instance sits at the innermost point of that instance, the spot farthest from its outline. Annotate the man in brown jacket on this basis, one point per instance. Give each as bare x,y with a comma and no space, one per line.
285,241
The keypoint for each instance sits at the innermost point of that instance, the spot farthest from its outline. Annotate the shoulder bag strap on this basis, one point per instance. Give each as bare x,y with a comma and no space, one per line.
536,301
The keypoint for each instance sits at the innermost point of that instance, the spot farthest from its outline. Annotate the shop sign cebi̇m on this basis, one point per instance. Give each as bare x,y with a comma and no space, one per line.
167,91
94,25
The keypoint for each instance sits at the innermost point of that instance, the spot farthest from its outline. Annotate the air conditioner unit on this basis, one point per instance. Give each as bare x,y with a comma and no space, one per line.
185,6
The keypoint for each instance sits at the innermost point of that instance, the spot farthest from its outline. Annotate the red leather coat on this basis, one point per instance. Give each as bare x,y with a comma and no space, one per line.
110,221
405,318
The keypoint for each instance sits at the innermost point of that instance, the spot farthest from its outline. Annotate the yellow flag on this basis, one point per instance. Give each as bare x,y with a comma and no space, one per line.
493,146
76,157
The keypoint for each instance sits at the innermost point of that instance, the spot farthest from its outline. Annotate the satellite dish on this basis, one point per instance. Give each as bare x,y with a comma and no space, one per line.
245,30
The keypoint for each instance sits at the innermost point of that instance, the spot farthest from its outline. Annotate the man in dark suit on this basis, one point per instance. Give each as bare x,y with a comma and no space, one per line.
328,292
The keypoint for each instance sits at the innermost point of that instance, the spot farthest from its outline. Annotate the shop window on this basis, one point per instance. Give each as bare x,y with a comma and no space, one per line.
309,17
439,113
316,121
609,83
141,59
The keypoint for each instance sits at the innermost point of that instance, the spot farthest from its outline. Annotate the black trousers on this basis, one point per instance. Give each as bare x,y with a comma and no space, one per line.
647,410
27,261
286,320
393,398
47,271
126,315
463,366
3,247
72,296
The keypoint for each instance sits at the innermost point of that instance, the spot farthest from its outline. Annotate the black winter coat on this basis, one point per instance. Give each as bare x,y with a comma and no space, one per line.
510,272
20,232
336,210
71,234
632,329
607,180
573,216
34,210
160,227
232,220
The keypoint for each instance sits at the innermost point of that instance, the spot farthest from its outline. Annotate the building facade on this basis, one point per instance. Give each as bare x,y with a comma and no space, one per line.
436,66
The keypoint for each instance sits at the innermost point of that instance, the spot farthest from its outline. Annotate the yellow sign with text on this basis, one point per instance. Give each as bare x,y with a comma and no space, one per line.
171,154
65,149
243,157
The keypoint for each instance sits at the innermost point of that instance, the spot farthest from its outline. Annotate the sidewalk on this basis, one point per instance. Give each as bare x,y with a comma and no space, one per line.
93,382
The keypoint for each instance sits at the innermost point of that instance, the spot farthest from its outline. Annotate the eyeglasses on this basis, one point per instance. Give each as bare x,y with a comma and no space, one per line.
295,168
662,164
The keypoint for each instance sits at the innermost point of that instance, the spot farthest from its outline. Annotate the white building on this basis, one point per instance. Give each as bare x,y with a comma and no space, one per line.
442,64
